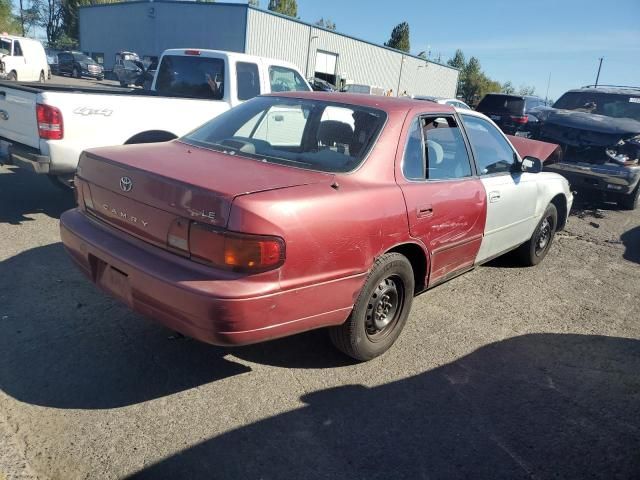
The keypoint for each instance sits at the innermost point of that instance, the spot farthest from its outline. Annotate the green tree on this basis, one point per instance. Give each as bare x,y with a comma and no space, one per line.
423,55
400,38
527,90
8,22
328,24
254,3
285,7
508,88
458,60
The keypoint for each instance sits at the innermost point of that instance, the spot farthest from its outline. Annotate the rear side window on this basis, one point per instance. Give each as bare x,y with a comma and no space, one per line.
501,104
283,79
436,150
492,151
191,76
248,80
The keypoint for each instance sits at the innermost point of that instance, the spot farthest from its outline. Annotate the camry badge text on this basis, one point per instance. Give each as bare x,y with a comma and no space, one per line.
125,216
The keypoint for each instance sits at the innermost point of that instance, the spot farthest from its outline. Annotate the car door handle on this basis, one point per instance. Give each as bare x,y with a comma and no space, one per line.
425,211
494,197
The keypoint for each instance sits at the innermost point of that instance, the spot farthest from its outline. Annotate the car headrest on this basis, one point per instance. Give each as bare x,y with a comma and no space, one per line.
435,153
331,132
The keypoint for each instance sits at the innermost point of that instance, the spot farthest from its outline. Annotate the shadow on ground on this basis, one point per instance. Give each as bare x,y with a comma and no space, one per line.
535,406
23,193
64,344
631,242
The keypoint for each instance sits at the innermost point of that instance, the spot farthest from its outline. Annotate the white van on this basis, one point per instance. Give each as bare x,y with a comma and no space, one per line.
22,59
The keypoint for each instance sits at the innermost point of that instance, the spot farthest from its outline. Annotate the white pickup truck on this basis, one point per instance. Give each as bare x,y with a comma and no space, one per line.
45,128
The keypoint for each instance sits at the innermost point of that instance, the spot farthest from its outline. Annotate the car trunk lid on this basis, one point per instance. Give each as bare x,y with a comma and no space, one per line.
145,189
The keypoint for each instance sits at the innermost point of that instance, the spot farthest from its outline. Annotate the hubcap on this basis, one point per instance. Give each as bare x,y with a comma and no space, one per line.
544,236
383,308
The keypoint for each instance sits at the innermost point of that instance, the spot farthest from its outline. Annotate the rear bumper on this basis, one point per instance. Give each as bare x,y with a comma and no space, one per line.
213,307
607,178
27,157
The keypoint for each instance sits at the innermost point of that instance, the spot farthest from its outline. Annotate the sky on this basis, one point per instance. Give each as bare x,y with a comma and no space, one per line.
519,41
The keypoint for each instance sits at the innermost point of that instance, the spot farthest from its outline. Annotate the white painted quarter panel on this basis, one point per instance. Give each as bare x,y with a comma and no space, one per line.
523,199
511,212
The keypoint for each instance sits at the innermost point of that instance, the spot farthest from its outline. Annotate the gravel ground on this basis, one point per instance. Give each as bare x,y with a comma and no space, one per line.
501,373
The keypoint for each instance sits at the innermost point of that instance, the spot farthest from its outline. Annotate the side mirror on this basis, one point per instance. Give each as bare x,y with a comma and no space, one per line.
531,165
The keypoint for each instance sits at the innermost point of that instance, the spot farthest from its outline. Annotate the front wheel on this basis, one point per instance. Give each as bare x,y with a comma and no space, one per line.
41,79
13,76
536,248
381,309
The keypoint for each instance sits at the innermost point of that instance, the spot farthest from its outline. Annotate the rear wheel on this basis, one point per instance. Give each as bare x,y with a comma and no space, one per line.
381,309
631,201
533,251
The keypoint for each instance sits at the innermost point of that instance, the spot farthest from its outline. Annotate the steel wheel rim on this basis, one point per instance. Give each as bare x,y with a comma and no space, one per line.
384,308
544,235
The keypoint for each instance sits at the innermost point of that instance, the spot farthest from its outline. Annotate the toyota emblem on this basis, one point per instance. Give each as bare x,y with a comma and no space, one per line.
126,184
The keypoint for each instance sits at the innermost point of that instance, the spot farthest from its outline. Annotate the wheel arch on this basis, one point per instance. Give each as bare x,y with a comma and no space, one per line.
418,259
151,136
560,202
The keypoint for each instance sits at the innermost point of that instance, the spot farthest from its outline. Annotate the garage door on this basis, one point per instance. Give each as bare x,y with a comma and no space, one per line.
326,63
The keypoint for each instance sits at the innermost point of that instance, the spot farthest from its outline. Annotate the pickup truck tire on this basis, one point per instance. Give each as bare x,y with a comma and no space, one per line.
536,248
63,182
13,76
41,79
153,136
75,73
630,201
381,310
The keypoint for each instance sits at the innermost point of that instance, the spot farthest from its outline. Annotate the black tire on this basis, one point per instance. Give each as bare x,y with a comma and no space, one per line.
379,314
536,248
124,84
41,79
100,79
64,182
630,201
13,76
75,73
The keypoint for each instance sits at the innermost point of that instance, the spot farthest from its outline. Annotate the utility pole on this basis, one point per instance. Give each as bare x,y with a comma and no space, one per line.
599,67
546,97
400,76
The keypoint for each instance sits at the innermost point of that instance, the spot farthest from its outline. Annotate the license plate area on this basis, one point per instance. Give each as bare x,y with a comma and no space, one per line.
110,279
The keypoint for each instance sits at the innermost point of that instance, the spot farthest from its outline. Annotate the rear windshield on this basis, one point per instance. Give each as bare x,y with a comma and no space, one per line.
191,76
501,104
608,104
310,134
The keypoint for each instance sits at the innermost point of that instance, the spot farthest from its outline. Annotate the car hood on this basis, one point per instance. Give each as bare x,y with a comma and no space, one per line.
584,129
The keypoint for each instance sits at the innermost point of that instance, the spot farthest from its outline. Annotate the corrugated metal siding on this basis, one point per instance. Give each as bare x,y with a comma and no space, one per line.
151,28
359,62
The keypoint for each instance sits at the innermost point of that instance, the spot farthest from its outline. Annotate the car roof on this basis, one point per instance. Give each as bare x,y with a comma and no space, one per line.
612,90
387,104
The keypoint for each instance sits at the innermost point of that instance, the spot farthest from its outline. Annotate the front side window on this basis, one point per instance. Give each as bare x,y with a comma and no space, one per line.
17,49
310,134
285,79
191,76
5,46
492,151
248,80
442,152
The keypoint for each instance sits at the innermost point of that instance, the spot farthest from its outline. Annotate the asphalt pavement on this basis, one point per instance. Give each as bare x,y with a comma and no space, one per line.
504,372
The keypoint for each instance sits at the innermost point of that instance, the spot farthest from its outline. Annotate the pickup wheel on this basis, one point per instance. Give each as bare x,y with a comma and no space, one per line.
630,201
75,73
41,79
381,310
536,248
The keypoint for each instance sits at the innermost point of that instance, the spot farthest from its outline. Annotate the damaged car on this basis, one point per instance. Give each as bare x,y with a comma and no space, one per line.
598,129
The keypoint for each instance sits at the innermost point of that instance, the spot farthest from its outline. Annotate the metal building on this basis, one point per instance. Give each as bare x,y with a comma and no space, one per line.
149,28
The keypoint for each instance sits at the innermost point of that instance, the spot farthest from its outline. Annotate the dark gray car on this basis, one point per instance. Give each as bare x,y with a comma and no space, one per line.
599,132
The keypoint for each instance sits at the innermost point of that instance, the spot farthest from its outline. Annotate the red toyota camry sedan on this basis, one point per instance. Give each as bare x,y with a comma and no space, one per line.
308,210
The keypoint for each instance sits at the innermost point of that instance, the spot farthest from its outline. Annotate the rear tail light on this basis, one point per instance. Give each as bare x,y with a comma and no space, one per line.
192,52
520,119
235,251
50,125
